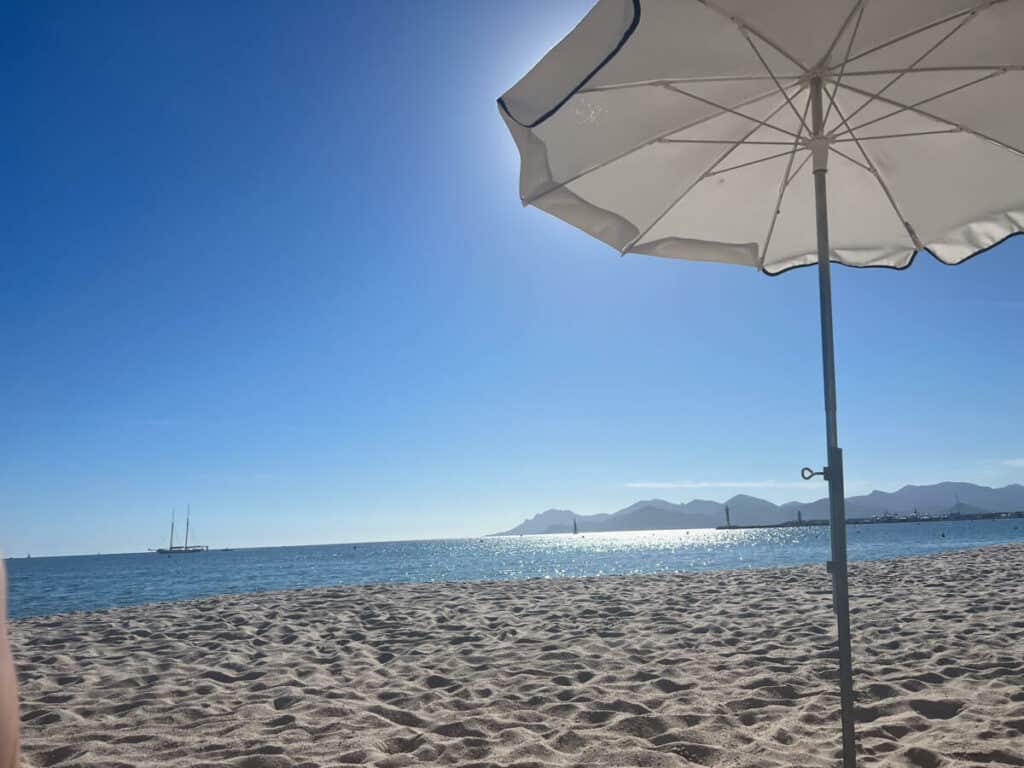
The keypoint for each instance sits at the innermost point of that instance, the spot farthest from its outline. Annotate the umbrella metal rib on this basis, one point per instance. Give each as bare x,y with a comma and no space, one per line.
732,111
936,118
798,169
749,163
859,8
930,70
672,80
848,136
921,102
728,141
972,11
742,24
786,179
881,182
899,76
746,36
698,180
851,160
654,139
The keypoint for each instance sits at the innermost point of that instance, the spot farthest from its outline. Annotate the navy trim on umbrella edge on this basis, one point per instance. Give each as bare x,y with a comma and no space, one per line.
908,265
628,34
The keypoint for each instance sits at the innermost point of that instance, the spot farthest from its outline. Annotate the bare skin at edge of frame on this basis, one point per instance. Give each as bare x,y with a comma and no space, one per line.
8,692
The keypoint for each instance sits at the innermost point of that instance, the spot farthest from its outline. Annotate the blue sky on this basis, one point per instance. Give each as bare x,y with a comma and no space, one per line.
269,260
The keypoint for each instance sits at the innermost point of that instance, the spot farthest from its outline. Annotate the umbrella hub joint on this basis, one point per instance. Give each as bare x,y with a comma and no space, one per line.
819,152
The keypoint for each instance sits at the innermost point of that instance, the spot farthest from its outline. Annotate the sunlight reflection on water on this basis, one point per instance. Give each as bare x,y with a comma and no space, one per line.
52,585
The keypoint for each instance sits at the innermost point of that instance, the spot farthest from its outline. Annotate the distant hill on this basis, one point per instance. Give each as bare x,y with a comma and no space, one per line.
658,514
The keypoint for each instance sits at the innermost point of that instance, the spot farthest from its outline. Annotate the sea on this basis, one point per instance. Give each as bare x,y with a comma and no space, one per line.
52,585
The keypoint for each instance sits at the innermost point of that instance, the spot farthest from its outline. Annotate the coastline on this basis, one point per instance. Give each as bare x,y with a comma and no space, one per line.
51,586
700,668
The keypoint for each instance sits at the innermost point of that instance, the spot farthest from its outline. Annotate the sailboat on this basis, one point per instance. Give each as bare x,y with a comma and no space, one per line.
172,548
575,528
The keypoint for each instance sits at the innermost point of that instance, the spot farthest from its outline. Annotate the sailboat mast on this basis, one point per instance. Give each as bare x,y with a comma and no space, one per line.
171,545
188,519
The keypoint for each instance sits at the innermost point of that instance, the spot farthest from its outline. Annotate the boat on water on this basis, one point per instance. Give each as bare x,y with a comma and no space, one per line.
181,549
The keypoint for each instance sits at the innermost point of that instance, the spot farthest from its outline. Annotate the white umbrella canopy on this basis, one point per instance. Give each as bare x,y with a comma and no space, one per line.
682,128
706,129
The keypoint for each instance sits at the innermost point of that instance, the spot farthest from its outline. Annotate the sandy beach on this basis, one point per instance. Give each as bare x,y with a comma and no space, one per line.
710,669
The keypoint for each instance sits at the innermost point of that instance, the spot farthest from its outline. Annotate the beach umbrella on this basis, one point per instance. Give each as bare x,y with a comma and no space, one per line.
711,130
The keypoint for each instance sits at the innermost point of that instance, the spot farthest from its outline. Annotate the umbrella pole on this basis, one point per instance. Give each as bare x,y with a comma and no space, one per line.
834,471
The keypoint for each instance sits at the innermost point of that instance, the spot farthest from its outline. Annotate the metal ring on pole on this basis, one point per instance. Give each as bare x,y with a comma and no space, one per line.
807,473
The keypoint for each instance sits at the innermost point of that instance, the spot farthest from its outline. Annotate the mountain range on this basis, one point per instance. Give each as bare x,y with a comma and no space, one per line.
657,514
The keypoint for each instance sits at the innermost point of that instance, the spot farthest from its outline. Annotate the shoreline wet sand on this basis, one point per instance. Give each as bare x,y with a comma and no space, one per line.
729,668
